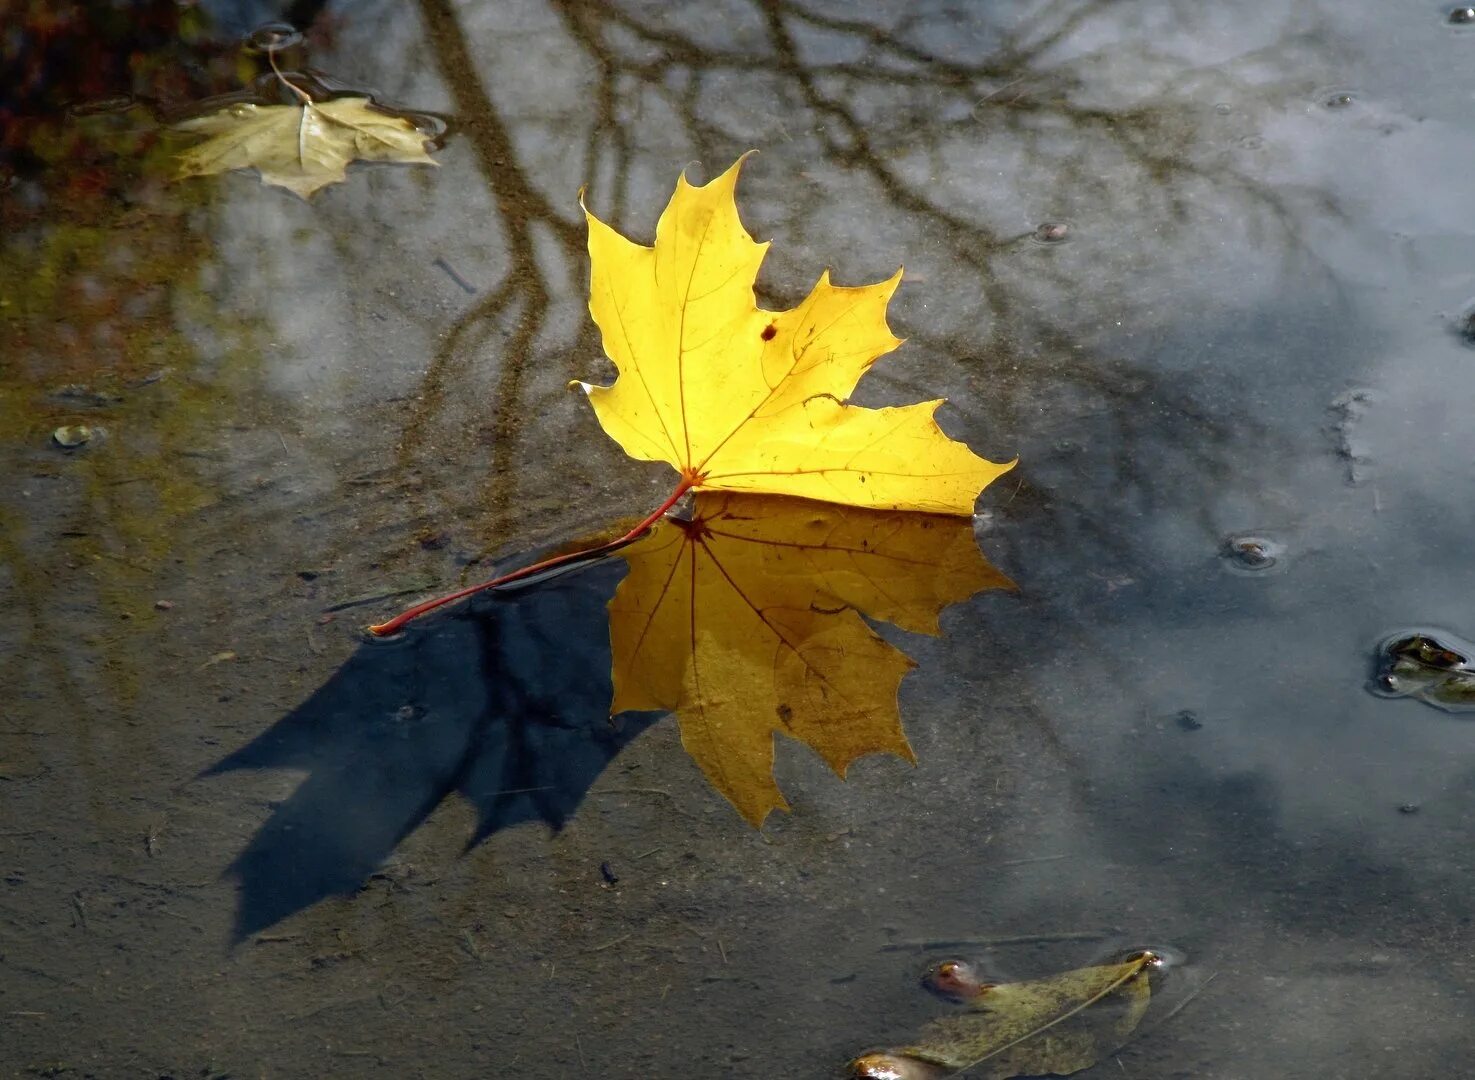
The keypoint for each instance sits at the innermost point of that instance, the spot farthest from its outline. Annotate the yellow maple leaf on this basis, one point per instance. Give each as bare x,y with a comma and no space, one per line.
741,399
746,621
300,147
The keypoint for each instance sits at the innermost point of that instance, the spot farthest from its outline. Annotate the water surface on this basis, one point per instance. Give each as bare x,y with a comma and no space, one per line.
227,851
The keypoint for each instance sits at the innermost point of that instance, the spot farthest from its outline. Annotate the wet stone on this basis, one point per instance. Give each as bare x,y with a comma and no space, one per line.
71,436
1251,554
1052,232
1465,327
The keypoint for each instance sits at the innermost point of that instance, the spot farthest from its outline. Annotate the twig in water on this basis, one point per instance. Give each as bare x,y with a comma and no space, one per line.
721,949
1028,862
469,943
369,598
450,270
610,944
579,1046
1184,1003
1023,939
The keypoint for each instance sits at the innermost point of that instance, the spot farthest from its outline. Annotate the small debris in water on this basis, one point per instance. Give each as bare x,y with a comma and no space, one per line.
71,436
1251,553
78,394
1187,720
610,877
163,605
450,272
1462,16
218,658
1052,232
1409,808
1349,408
1339,99
1465,326
1431,665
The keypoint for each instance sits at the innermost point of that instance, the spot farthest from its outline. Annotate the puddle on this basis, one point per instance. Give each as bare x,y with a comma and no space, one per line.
440,853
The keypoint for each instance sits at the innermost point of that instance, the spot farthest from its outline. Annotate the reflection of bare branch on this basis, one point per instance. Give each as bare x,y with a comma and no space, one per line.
903,101
521,208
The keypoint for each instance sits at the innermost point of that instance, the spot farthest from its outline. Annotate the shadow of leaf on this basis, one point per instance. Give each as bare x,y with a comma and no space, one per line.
505,703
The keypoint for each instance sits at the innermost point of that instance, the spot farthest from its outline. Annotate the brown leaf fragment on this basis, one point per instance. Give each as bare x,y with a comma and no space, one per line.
300,147
1057,1025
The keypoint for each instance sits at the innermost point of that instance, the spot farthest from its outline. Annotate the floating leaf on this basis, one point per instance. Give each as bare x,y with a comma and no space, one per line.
741,399
1059,1025
746,621
300,147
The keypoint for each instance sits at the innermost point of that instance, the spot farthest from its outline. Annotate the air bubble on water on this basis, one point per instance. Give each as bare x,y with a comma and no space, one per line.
1461,16
273,36
1223,108
1336,97
1246,553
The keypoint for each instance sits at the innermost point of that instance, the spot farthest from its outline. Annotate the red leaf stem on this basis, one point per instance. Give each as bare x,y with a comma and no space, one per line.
384,629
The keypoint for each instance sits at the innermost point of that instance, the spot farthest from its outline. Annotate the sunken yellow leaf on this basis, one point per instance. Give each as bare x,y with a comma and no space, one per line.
300,147
1054,1026
746,621
741,399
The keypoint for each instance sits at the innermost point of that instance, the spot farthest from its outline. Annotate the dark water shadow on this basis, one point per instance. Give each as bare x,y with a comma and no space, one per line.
505,702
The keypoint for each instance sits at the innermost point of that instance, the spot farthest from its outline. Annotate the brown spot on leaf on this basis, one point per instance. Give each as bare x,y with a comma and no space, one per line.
769,332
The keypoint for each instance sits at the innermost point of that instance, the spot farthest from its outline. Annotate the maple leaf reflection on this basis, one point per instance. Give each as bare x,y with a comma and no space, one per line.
746,621
479,703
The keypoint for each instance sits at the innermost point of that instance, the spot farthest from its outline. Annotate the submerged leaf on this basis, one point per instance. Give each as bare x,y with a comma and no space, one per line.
742,399
1059,1025
746,621
300,147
